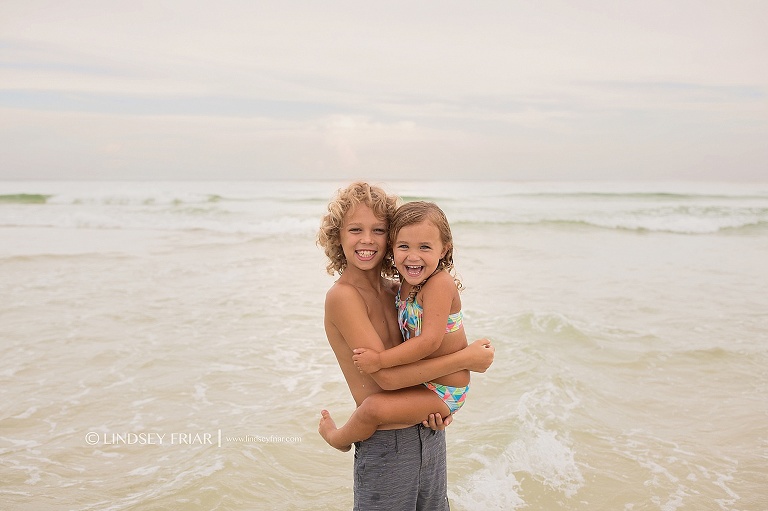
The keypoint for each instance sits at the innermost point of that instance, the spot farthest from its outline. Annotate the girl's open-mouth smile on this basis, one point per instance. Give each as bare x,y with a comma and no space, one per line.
413,271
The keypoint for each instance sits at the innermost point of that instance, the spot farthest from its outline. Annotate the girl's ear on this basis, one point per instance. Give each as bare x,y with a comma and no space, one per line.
445,251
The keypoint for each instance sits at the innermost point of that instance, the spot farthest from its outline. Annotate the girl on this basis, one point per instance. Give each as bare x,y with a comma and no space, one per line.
430,318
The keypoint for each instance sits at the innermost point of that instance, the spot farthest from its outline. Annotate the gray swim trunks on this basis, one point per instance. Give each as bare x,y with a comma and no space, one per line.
401,470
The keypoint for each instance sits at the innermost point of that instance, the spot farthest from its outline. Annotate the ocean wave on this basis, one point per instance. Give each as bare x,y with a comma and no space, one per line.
553,325
148,199
266,220
259,228
675,224
651,196
161,193
24,198
269,207
690,226
699,358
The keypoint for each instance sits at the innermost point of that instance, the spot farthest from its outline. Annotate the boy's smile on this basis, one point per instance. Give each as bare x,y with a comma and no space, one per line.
365,255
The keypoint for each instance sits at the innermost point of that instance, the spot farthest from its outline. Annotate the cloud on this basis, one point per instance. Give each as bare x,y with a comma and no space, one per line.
495,89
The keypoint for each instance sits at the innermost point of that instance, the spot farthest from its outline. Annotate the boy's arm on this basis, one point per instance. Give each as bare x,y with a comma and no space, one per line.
477,357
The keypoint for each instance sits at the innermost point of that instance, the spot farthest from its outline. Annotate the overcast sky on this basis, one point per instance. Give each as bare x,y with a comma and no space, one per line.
519,90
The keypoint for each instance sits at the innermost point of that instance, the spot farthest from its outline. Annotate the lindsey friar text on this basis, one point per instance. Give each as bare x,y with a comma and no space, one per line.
153,438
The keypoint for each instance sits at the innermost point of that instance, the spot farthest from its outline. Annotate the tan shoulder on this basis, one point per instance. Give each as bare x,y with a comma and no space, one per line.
342,293
441,280
440,286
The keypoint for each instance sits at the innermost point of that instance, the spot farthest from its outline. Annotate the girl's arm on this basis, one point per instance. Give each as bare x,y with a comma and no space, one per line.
436,297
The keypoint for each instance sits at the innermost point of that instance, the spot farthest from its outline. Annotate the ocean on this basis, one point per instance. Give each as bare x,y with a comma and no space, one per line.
162,346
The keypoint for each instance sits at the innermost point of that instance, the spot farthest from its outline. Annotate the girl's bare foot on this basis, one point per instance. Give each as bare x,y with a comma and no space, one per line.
327,428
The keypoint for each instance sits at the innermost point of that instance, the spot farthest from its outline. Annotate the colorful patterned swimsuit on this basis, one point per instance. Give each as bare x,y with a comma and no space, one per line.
409,315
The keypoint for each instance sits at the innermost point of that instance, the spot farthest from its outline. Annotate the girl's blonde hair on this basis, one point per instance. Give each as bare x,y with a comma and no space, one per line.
419,211
329,236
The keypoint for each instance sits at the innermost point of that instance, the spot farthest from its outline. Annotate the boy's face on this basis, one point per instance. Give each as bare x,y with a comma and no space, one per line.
418,249
363,238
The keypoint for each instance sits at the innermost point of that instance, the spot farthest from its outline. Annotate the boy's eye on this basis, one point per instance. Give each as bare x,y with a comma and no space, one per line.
402,246
380,231
425,247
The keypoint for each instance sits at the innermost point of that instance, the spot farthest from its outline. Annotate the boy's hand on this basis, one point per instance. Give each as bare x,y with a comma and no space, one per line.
480,355
366,360
436,422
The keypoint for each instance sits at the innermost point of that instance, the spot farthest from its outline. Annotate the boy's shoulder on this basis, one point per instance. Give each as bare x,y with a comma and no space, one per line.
344,294
341,291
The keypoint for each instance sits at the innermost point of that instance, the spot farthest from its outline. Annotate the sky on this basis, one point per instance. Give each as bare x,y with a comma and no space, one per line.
401,90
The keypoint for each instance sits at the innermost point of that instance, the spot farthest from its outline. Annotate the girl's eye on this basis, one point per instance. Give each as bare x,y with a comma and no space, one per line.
425,247
402,247
380,231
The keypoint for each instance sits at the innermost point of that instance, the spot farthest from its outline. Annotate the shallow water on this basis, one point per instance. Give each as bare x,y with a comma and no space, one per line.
162,347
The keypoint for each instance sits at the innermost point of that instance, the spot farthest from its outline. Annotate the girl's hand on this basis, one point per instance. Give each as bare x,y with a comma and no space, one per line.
436,422
366,360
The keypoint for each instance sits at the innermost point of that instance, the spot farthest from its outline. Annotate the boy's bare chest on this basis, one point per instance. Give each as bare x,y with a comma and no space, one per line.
383,316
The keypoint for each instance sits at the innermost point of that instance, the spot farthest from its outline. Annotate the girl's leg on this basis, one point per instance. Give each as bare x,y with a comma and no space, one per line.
405,406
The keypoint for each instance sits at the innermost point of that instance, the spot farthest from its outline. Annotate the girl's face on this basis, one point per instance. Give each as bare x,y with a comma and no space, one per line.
418,250
363,238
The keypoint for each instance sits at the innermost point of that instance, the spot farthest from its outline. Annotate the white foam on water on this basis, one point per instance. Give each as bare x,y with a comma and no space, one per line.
26,414
675,481
144,471
541,453
18,444
493,487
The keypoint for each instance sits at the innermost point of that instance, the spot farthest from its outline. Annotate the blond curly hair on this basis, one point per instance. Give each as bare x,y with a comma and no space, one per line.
329,236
